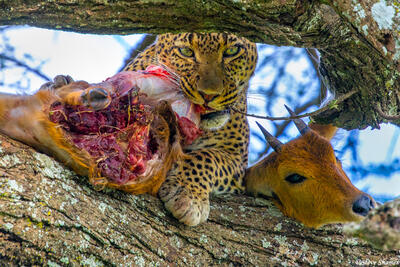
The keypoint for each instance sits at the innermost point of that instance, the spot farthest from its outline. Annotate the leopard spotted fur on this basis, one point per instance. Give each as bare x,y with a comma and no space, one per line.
214,70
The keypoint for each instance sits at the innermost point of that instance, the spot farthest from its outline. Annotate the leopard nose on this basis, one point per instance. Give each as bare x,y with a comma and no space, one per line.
363,205
210,85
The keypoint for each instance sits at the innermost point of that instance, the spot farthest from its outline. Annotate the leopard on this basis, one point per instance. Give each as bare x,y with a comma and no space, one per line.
214,70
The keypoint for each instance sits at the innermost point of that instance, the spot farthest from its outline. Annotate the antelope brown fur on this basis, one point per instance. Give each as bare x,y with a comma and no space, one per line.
307,181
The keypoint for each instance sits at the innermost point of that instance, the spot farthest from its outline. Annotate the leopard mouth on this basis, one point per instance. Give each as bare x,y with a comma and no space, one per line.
214,120
214,114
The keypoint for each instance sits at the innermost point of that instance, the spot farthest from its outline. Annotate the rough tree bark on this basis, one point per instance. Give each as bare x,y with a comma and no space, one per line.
381,228
358,40
50,216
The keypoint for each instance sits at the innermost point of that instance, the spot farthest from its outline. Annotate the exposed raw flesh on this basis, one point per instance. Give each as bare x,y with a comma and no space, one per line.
119,137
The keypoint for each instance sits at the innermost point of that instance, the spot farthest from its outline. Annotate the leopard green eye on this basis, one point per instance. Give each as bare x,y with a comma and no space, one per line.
186,51
231,51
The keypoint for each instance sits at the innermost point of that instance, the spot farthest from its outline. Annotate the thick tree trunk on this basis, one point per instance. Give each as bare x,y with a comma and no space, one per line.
49,216
359,41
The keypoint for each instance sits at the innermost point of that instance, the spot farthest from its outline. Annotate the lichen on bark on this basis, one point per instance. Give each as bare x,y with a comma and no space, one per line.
50,216
382,228
360,47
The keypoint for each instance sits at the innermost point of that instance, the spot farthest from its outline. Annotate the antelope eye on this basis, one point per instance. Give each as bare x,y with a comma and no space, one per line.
295,178
231,51
186,51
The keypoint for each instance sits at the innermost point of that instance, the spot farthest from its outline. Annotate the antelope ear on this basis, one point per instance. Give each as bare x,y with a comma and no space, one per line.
326,130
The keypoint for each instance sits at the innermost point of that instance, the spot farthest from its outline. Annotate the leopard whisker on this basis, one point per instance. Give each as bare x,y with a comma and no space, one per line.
174,77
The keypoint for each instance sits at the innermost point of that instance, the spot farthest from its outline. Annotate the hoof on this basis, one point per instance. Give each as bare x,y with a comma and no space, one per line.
96,98
61,80
58,81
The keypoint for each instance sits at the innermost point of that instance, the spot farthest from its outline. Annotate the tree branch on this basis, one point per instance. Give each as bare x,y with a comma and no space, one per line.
358,48
331,104
25,66
48,215
381,229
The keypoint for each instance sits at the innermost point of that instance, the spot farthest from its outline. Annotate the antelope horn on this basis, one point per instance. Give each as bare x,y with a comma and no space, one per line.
272,140
300,124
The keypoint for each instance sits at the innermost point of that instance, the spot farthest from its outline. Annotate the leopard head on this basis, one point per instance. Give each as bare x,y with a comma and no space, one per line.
213,67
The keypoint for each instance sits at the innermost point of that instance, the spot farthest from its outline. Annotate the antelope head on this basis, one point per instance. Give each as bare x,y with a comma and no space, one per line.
306,180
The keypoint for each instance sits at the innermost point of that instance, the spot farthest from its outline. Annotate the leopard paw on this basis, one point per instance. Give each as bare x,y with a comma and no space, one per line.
187,206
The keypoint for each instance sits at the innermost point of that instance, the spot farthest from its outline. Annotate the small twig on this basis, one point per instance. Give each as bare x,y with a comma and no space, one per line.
26,66
280,129
331,104
384,115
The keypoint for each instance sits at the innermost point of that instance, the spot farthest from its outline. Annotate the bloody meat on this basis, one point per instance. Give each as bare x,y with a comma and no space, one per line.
118,137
